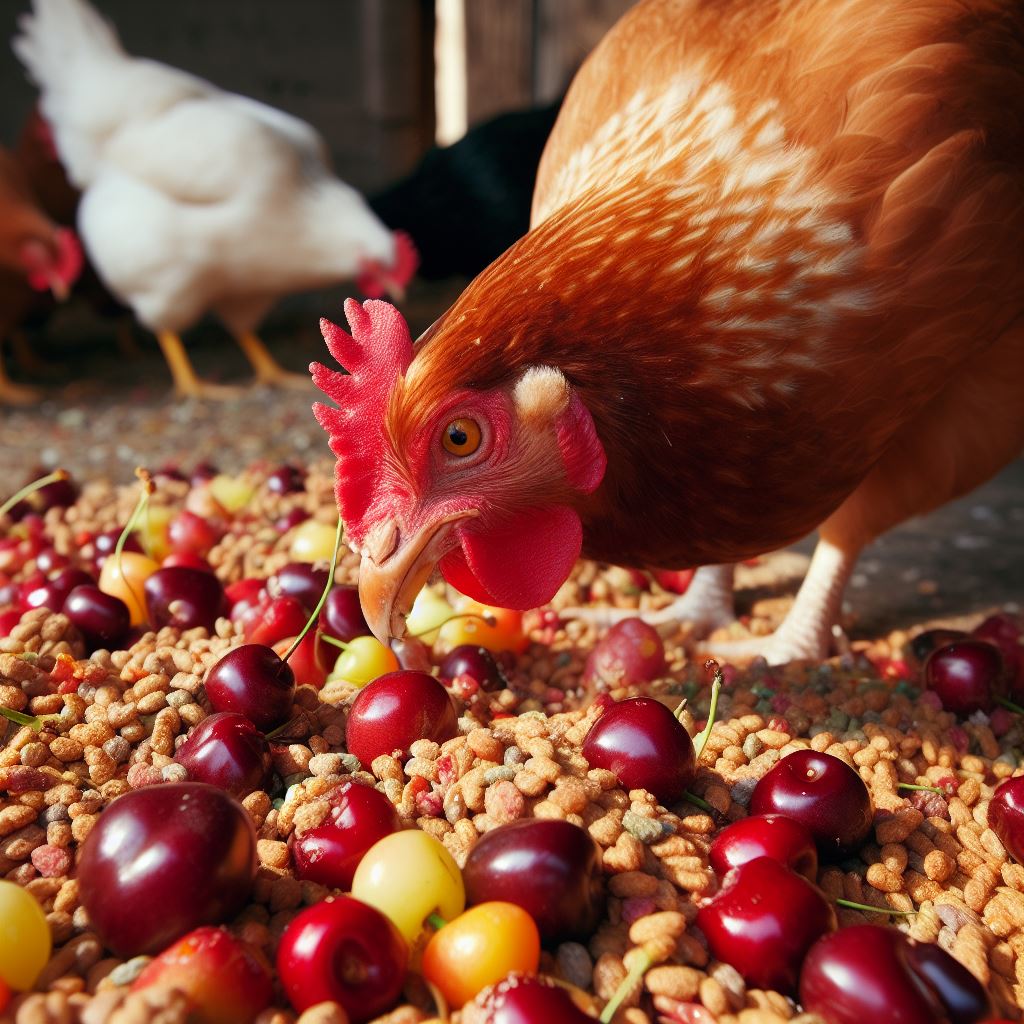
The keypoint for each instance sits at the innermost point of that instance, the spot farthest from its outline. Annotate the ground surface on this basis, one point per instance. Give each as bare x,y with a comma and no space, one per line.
109,414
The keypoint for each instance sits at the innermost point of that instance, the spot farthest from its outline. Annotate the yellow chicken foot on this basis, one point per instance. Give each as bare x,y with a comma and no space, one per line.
15,394
808,630
186,383
267,369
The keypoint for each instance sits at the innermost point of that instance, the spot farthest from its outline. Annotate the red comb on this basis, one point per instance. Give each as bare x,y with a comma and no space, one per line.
378,351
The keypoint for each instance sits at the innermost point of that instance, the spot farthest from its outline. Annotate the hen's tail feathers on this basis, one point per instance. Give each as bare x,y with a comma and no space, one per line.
57,34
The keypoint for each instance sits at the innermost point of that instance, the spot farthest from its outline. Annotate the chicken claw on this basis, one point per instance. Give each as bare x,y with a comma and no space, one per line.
268,370
186,383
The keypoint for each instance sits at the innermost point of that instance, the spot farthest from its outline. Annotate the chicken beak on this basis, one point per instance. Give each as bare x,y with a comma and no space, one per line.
395,568
58,286
395,291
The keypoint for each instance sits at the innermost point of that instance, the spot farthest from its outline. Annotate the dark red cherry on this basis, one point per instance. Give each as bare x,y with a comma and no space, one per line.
967,676
1005,633
822,793
301,580
342,615
1006,816
527,999
921,645
53,593
183,560
331,852
48,561
202,472
290,519
476,662
762,922
105,543
630,652
645,745
56,494
191,534
765,835
877,974
226,750
550,868
163,860
252,680
343,951
8,620
394,711
102,619
286,479
184,598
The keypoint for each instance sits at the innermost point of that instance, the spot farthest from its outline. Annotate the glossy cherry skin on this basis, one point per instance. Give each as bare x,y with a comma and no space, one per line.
476,662
105,543
645,745
8,620
1005,633
823,794
342,615
630,652
921,646
302,580
330,853
252,680
967,676
290,519
346,951
49,561
394,711
762,922
765,835
184,598
550,868
226,750
528,999
877,974
102,619
274,619
307,660
53,593
163,860
190,534
286,479
243,596
1006,816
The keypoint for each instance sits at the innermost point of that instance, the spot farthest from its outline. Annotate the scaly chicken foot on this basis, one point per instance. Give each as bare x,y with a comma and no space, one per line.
707,605
268,370
186,383
808,630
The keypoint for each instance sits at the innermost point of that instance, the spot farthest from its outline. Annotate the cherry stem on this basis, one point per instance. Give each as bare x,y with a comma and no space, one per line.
43,481
147,489
489,620
333,641
922,789
323,597
1009,705
436,921
698,802
874,910
626,986
34,722
705,734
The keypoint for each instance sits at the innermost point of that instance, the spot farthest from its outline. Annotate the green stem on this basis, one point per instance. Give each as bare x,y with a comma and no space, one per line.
489,620
875,910
34,722
333,641
705,734
921,789
436,921
698,802
50,478
1006,703
147,489
323,597
626,986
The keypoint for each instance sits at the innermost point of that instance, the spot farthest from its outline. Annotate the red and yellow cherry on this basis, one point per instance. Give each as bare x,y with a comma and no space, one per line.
102,619
24,937
1006,816
479,948
630,652
967,675
312,541
274,619
765,835
762,922
344,951
429,612
305,661
645,745
549,867
226,750
342,616
330,853
184,598
252,680
481,625
527,999
226,981
163,860
877,974
189,534
362,659
822,793
124,577
391,713
408,876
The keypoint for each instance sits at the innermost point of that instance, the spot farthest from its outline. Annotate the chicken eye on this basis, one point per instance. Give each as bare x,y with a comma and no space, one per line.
461,437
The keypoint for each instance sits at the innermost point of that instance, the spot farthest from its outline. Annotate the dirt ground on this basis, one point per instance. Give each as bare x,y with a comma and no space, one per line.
108,413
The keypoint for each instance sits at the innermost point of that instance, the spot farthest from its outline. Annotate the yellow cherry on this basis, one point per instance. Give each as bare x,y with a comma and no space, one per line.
24,937
429,612
312,542
364,659
152,530
233,493
408,876
125,581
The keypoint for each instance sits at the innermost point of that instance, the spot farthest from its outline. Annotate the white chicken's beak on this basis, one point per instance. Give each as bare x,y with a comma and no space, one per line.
58,287
395,291
395,568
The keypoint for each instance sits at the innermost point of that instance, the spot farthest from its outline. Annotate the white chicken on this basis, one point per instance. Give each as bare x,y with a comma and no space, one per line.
196,200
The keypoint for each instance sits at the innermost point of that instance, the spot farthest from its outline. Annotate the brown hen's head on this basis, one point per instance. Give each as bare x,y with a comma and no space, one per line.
483,482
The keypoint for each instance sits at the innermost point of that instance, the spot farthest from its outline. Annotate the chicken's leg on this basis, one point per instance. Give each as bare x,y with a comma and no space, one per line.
268,370
186,383
15,394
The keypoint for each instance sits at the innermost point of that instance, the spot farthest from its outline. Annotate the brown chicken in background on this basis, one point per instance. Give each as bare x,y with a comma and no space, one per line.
775,281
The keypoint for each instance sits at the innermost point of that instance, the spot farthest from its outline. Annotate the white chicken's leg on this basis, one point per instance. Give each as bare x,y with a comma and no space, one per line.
707,604
268,370
806,632
186,383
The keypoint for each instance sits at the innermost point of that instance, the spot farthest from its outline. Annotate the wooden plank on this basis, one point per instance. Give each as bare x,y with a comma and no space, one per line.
499,57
